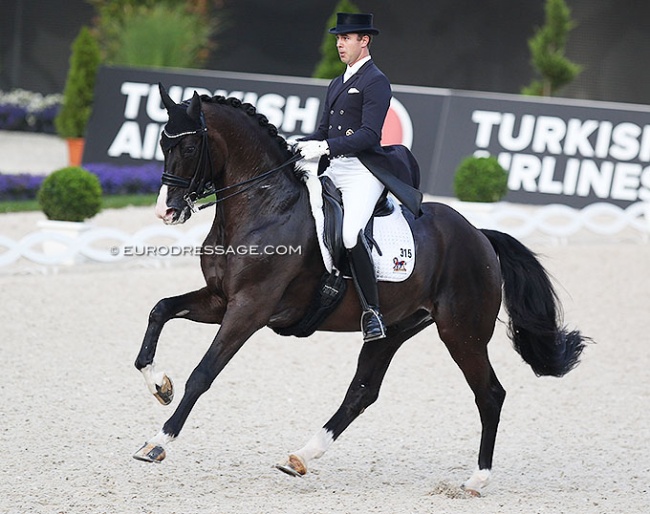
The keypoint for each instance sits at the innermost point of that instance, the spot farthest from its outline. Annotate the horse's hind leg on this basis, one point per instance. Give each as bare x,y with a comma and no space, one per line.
489,395
200,306
374,359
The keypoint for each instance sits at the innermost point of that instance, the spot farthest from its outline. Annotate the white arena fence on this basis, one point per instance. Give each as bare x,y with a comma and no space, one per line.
553,224
558,224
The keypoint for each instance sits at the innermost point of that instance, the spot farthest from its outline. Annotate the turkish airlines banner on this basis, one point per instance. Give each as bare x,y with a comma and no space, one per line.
556,151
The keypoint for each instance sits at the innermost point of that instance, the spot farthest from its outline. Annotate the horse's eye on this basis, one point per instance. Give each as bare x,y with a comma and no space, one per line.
189,150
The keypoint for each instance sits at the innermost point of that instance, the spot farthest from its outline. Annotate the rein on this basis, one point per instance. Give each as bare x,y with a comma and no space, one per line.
249,182
201,186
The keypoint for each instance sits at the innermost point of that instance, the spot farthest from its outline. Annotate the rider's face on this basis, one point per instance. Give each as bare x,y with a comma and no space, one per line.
351,47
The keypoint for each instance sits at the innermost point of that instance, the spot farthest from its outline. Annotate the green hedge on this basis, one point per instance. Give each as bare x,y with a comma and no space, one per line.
70,194
480,179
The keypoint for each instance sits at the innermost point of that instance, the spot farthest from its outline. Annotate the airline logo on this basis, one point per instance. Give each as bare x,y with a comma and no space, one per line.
293,115
398,127
572,157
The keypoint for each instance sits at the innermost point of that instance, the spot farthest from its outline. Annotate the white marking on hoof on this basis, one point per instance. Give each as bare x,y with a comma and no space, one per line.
296,464
293,466
152,377
154,449
161,439
477,482
150,453
316,446
165,393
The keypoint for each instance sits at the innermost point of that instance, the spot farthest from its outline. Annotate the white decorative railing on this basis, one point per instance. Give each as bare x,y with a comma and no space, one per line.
560,222
101,244
556,223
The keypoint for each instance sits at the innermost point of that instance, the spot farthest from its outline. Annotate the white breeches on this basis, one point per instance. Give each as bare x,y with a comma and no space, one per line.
360,190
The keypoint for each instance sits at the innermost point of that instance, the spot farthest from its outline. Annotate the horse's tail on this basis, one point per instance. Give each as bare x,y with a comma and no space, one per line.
534,309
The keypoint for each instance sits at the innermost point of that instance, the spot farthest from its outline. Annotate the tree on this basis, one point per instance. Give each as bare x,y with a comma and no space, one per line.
547,51
159,33
79,89
330,65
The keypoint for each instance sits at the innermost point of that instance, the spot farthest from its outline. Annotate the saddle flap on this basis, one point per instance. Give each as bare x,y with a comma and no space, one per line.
333,214
394,247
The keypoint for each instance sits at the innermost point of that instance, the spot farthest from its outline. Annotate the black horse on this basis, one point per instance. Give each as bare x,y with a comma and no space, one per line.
217,145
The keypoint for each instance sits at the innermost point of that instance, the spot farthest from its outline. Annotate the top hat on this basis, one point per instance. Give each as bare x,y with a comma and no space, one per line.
353,23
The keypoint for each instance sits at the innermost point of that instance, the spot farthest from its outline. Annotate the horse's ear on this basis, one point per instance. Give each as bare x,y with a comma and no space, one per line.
194,109
166,99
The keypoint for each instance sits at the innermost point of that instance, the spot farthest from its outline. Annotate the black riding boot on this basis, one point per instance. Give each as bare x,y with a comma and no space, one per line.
363,275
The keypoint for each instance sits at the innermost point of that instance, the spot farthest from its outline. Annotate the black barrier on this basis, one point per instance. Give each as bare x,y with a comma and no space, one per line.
556,151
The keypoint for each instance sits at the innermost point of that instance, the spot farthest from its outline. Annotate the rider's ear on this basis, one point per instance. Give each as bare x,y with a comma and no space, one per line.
194,109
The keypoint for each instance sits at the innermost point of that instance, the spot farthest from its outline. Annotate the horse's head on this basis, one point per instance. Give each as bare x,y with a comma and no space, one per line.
188,166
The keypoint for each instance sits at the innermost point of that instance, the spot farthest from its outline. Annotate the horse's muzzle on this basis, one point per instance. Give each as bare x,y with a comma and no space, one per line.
171,215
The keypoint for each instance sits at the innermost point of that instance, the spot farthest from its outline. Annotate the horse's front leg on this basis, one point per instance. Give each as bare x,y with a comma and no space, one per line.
201,306
237,326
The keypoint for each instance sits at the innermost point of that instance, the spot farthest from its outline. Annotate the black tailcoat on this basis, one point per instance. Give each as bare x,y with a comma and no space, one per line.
351,122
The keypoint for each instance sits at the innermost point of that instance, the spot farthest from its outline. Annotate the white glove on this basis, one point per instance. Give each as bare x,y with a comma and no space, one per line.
313,149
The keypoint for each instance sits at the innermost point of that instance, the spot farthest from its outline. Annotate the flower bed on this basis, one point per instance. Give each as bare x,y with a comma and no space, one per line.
114,179
27,111
19,187
121,180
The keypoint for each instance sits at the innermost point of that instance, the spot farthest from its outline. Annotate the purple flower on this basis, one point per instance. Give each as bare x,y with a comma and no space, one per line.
114,179
19,187
13,117
28,111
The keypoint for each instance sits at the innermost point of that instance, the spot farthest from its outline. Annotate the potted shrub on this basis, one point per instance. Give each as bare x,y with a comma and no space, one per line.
68,197
78,94
479,182
480,179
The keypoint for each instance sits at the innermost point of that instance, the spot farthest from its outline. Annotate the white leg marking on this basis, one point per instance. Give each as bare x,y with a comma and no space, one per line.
152,377
316,446
161,439
479,479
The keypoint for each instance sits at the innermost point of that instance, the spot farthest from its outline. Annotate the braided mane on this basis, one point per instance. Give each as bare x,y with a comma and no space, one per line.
251,111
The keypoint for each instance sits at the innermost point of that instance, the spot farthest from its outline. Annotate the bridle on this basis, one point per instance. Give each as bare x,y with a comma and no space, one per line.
200,185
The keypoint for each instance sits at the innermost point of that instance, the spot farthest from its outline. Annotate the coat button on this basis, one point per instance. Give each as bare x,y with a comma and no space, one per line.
339,127
332,111
341,112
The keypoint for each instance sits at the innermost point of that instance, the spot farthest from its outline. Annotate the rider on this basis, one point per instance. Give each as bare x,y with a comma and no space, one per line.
349,133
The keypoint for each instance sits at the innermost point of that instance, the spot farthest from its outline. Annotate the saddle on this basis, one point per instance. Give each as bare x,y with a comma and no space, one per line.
333,223
333,285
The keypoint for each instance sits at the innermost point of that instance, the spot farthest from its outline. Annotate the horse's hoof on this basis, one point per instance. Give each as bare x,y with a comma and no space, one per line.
476,483
471,492
294,466
150,453
165,392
